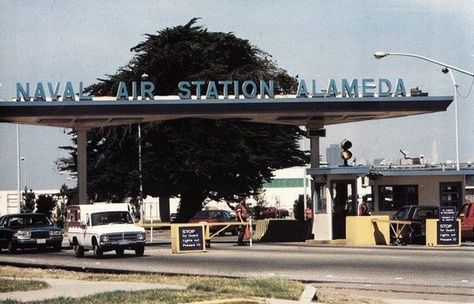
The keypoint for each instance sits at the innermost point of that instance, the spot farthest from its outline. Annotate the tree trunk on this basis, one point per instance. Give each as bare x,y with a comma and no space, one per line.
190,203
165,208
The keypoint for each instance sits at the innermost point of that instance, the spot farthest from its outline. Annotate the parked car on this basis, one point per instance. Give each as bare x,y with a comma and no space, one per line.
273,212
29,230
215,216
466,214
416,233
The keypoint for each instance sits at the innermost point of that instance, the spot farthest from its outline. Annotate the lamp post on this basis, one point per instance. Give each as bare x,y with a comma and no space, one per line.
140,172
18,167
23,160
446,69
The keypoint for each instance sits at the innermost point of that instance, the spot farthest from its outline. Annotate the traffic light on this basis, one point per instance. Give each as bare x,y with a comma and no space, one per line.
346,154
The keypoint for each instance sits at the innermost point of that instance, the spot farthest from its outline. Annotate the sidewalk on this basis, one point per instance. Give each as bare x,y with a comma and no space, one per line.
79,289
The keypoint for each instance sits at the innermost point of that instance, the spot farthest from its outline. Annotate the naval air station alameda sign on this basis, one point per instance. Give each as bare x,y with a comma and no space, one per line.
210,90
316,103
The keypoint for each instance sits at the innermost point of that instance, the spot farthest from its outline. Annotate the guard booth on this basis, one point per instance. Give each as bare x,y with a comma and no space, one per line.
337,194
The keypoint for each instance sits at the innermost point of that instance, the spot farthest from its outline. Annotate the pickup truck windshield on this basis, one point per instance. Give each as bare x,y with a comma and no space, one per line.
111,217
402,214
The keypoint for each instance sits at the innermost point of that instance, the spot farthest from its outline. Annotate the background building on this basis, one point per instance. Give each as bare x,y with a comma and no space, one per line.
333,155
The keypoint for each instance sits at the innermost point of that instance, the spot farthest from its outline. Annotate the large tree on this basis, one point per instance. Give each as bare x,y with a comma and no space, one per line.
194,159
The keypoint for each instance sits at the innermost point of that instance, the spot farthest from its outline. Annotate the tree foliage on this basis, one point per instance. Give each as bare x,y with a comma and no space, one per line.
65,195
28,204
193,158
191,52
298,207
45,204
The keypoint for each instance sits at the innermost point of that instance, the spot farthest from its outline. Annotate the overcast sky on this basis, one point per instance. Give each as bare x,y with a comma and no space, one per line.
84,40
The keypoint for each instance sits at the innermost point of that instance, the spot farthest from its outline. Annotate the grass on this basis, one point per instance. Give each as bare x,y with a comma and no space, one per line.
9,285
144,296
200,288
343,298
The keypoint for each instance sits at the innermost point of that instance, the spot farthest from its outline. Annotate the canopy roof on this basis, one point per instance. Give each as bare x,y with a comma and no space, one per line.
106,111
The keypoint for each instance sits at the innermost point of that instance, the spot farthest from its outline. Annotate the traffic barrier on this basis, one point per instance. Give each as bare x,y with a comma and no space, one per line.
280,230
367,230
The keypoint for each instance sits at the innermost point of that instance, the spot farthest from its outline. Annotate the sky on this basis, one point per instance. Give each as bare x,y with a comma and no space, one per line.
84,40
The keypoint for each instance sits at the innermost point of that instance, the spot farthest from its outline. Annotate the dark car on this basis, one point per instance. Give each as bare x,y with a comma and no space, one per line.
29,230
416,232
215,216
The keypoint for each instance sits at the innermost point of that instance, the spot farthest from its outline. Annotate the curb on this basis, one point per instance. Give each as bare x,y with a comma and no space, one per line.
308,294
342,244
228,301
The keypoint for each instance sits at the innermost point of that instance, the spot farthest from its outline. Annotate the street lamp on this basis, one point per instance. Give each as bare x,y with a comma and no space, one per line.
446,69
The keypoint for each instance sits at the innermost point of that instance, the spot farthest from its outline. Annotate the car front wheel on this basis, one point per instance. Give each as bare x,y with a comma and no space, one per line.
139,250
57,247
11,247
79,251
98,251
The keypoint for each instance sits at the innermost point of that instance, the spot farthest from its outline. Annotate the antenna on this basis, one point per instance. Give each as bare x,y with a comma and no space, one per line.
406,154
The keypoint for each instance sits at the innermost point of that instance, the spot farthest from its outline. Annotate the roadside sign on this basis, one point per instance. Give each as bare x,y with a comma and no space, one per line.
187,238
447,214
448,226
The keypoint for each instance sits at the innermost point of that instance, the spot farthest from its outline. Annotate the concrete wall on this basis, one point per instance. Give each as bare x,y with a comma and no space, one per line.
9,200
367,230
284,197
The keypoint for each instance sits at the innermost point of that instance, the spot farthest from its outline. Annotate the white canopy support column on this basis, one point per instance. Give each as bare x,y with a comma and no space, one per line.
315,163
314,146
82,164
320,217
321,221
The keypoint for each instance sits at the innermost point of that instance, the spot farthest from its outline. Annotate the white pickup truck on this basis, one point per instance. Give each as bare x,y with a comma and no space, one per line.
102,227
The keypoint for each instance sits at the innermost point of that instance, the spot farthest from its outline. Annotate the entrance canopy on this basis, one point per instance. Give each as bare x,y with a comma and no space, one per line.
106,111
310,112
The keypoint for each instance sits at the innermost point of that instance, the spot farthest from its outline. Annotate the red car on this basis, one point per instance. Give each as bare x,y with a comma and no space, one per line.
466,214
272,212
215,216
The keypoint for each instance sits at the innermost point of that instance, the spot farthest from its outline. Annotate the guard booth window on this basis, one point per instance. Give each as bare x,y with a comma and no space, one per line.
450,194
393,197
320,198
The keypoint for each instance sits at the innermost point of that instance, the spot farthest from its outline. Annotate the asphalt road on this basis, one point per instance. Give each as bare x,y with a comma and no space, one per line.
445,272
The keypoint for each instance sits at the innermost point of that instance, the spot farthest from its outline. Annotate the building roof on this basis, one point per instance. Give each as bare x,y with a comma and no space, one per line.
418,170
290,110
421,171
344,170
